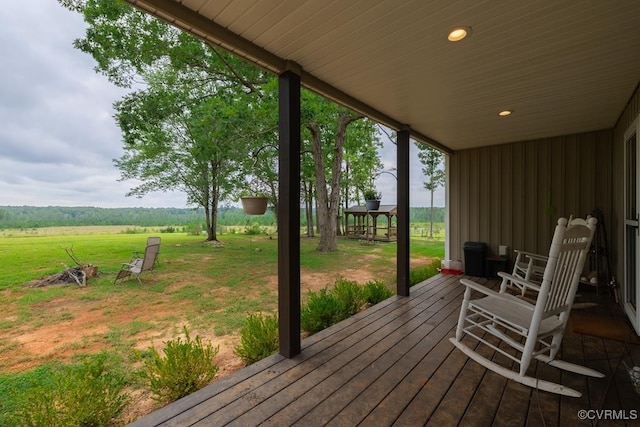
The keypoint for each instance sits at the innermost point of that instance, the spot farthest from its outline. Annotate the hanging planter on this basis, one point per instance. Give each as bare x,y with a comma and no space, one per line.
372,199
256,205
372,205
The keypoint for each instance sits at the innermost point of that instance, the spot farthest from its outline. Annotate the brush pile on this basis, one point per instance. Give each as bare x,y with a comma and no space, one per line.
77,274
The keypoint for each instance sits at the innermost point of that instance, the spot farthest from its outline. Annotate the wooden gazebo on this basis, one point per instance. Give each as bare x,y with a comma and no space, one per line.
364,224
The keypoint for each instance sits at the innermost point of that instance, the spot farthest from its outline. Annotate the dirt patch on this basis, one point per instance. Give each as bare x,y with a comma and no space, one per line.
74,327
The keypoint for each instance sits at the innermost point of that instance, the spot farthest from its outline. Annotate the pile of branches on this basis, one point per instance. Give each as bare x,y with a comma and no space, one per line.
77,274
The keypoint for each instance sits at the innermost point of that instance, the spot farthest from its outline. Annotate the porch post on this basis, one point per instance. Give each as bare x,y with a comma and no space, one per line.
289,214
403,213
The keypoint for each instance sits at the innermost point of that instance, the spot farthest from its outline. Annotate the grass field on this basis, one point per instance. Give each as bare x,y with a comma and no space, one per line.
207,287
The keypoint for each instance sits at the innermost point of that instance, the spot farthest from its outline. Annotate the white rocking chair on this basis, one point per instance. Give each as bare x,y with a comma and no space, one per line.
530,267
540,325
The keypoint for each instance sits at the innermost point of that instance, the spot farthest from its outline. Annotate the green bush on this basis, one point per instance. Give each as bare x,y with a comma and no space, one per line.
422,273
254,229
193,228
349,295
88,394
375,292
186,367
321,310
135,230
258,338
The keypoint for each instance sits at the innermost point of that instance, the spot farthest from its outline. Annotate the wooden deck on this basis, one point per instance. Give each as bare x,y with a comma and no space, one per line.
393,365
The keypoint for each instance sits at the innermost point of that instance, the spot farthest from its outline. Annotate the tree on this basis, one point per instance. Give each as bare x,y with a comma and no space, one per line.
307,183
202,116
433,168
329,128
192,148
189,125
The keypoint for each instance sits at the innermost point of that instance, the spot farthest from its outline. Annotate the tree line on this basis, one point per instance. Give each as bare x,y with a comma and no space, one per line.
24,217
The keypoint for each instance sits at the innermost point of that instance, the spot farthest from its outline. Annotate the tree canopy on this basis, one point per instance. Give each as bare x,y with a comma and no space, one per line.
203,121
194,112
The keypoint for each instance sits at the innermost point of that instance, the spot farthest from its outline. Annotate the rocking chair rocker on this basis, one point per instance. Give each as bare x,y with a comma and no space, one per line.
540,325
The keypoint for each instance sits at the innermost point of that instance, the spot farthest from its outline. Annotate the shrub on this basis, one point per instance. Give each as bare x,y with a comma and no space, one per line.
321,310
134,230
258,338
350,297
186,367
375,292
422,273
193,229
254,229
88,394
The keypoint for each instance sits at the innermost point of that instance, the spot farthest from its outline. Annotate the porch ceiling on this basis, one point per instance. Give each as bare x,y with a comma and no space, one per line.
563,66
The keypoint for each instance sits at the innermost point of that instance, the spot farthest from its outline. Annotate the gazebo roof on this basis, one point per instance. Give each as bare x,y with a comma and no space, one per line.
383,209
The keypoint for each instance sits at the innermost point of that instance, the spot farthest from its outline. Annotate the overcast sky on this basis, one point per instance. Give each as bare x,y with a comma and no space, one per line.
58,137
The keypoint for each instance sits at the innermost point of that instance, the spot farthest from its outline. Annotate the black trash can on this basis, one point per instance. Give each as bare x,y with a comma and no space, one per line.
474,255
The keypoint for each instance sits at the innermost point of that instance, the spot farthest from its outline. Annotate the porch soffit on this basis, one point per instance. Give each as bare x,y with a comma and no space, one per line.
564,67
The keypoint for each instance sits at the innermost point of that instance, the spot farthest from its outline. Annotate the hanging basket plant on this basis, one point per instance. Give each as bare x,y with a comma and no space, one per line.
254,205
372,199
372,205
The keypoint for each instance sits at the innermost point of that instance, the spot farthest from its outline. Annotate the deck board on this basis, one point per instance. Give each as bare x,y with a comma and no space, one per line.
392,364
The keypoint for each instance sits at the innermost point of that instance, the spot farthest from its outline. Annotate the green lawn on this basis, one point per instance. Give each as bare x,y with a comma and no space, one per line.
207,287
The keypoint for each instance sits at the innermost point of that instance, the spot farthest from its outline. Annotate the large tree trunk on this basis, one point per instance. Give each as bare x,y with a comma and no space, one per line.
308,207
274,200
328,239
213,223
345,200
329,203
204,202
211,211
315,205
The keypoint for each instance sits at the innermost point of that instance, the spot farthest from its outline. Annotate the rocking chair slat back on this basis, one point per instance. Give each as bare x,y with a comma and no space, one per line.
569,260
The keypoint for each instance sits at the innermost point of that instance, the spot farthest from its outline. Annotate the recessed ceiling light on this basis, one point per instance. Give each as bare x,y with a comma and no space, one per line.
505,113
459,33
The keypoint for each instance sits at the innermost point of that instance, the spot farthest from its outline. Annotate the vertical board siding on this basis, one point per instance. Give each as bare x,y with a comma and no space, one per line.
475,165
506,187
500,194
517,195
495,214
545,189
616,198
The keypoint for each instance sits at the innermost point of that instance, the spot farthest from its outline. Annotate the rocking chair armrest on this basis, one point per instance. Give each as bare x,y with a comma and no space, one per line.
518,280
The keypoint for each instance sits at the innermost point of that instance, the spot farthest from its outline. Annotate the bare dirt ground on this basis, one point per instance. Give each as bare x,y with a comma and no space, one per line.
80,327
